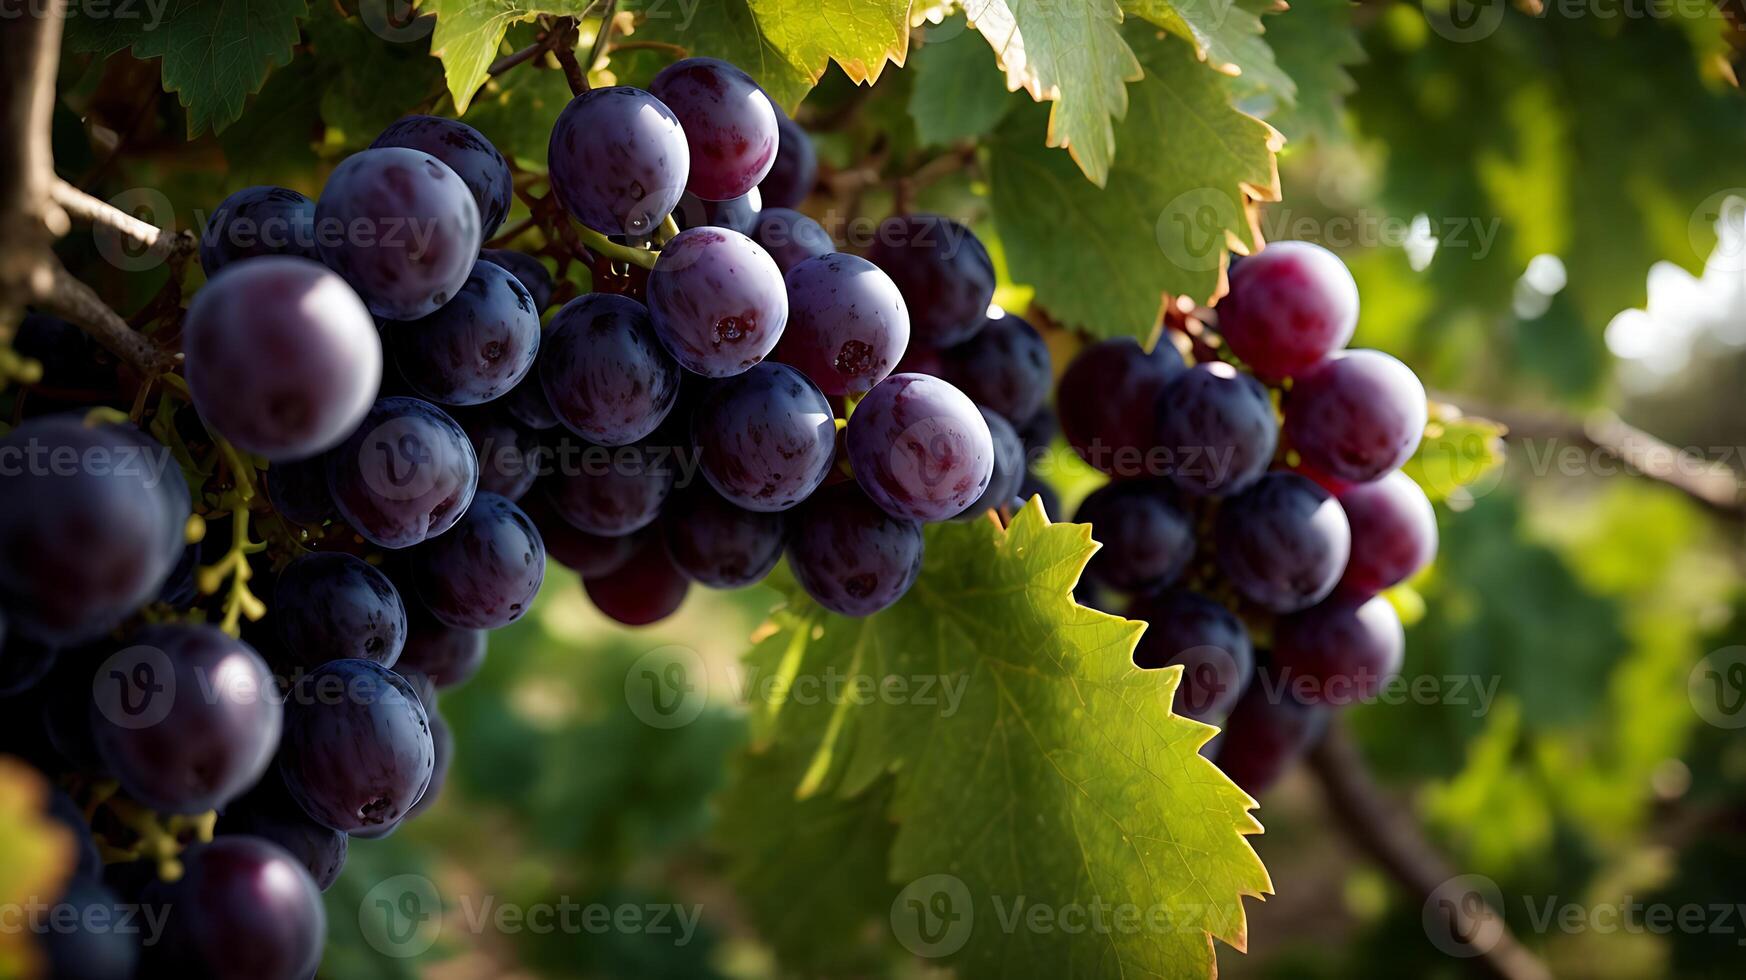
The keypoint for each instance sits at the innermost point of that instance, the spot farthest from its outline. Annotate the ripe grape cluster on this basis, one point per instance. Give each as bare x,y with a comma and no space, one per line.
227,613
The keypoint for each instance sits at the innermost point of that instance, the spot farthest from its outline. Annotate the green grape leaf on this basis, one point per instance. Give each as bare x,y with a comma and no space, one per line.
502,108
727,29
469,33
1228,34
1457,452
1186,168
366,83
214,53
273,142
1314,43
1035,773
1071,55
956,95
859,35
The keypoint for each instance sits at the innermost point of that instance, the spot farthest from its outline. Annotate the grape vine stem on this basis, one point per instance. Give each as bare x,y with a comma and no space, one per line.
1391,837
602,245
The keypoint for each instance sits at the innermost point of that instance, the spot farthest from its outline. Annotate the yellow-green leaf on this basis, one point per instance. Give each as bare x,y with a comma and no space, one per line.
1457,452
859,35
469,32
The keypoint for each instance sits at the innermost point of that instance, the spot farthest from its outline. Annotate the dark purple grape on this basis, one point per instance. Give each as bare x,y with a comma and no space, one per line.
1394,533
475,348
1105,399
1356,415
443,743
484,572
508,454
790,237
357,747
527,270
1207,640
283,359
847,325
1009,466
735,214
611,491
70,359
334,606
920,358
401,227
604,371
258,221
718,301
572,547
446,655
766,438
243,907
407,474
298,491
796,168
186,717
1034,487
729,123
1005,367
1341,651
645,589
527,403
1147,540
1038,431
919,447
718,544
1283,542
1290,305
850,555
468,153
92,525
945,274
618,160
269,812
82,936
1217,426
1266,732
23,662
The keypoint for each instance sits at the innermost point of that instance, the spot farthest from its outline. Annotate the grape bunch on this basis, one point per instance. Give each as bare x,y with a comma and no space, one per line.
230,594
1256,509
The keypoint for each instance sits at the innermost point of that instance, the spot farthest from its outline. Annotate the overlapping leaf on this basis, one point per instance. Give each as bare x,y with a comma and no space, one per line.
469,32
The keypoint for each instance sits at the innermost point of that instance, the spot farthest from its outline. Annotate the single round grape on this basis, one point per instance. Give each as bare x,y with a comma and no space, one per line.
443,743
1009,466
509,455
851,556
847,324
297,489
790,237
407,474
243,907
527,403
81,937
445,655
1147,540
185,717
528,270
1341,651
718,544
357,747
791,177
468,153
1356,416
282,357
484,572
475,348
730,125
944,272
735,214
1394,533
1106,399
605,372
575,549
920,448
1283,542
1005,367
401,227
331,606
645,589
1290,305
91,526
765,438
1266,732
611,490
718,301
269,812
618,160
1206,639
1217,425
258,221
